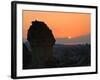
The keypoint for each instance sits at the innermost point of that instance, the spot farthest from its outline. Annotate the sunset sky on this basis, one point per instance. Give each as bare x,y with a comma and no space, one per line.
63,24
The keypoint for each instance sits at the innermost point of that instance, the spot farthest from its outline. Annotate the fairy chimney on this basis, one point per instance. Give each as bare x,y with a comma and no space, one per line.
41,40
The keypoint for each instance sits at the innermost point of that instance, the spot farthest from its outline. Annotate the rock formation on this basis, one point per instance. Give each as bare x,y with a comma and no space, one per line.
41,41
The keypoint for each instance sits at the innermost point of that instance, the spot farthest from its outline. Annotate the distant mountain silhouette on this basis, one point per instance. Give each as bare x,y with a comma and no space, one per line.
77,40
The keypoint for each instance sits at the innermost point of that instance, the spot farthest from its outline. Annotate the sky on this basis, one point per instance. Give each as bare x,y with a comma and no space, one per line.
63,24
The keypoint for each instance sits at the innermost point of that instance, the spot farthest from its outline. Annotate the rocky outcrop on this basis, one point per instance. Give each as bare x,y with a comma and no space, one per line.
41,41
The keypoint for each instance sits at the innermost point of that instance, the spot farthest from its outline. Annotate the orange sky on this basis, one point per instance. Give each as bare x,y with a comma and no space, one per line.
62,24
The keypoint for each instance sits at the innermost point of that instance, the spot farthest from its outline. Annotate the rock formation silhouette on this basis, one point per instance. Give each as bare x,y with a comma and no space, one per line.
41,41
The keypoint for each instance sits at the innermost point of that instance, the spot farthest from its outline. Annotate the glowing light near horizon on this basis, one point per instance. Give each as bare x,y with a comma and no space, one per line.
69,37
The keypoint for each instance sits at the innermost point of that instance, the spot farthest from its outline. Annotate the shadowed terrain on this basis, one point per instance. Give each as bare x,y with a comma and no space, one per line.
72,55
65,56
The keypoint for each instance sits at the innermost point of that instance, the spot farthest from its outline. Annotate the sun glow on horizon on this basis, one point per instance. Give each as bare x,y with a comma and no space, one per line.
69,37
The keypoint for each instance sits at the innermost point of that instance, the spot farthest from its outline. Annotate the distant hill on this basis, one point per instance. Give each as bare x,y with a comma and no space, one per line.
78,40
